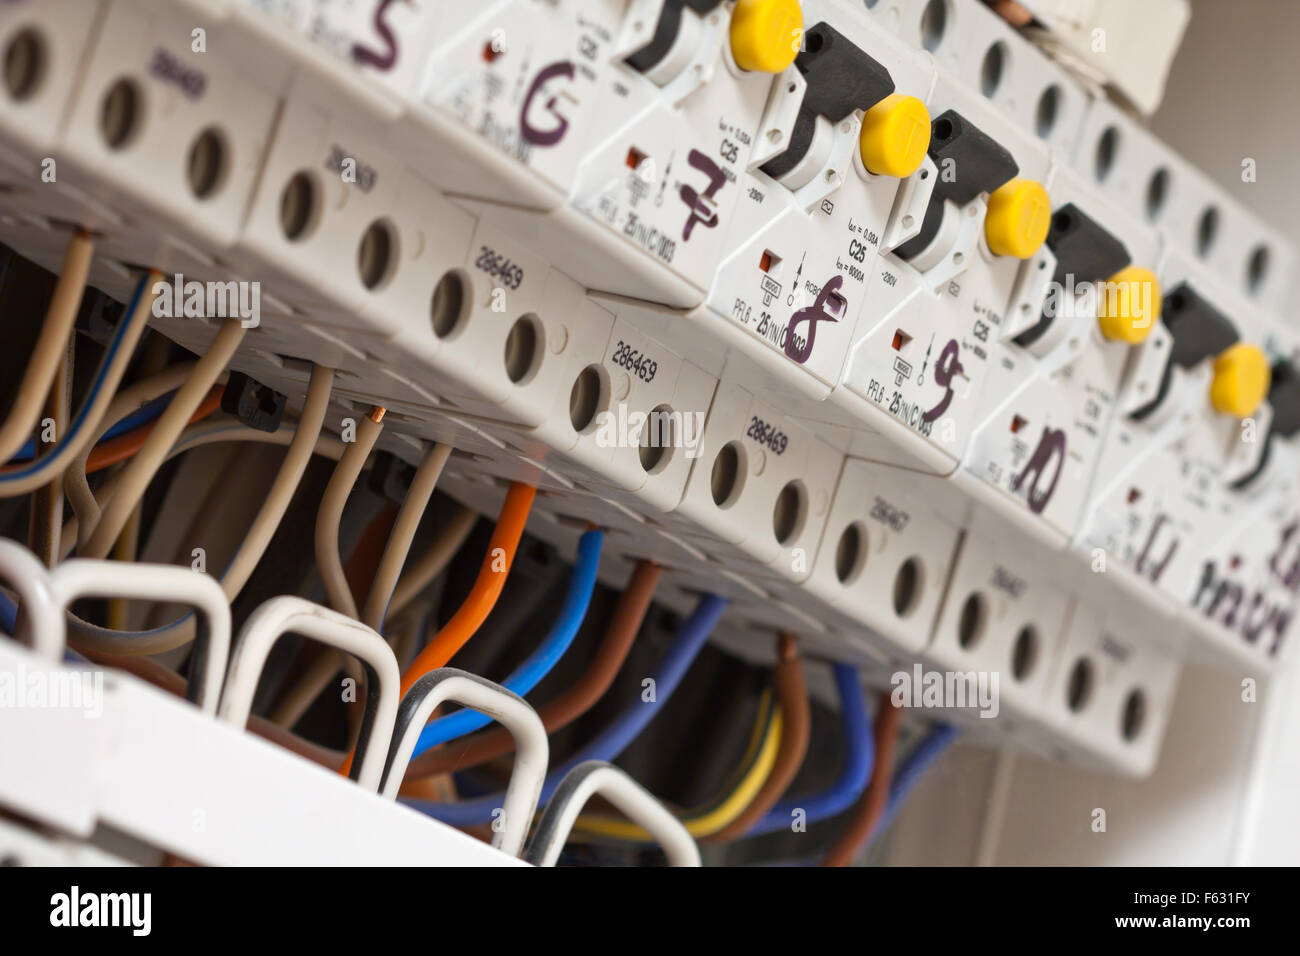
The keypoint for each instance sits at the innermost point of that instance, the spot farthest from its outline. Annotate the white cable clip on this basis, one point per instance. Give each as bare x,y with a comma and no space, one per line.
82,578
596,776
286,614
531,748
40,618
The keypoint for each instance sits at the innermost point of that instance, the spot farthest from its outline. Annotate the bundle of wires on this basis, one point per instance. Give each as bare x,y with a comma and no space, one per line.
621,732
154,419
567,707
540,663
854,774
746,781
147,413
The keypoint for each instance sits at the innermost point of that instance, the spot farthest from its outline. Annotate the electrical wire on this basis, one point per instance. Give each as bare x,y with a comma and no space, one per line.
22,479
320,673
482,596
45,521
385,576
854,774
866,816
226,430
368,549
330,515
796,718
430,565
408,629
362,563
398,548
306,685
76,486
221,429
114,450
306,436
303,441
487,587
154,357
141,416
918,760
528,674
139,472
126,549
622,730
51,349
754,769
576,700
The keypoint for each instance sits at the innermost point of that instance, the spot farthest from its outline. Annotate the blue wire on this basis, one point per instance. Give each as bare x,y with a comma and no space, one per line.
528,674
8,614
616,737
927,750
142,416
81,420
858,763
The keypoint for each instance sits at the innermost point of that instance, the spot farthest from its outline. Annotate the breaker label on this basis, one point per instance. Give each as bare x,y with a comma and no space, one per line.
635,361
909,413
648,237
169,69
768,435
1008,583
499,266
890,515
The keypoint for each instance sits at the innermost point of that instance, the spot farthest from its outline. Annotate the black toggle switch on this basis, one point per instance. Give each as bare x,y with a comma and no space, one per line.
1083,249
669,23
980,163
1284,397
1199,330
841,78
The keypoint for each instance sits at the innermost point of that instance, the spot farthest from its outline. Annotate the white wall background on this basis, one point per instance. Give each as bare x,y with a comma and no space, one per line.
1232,93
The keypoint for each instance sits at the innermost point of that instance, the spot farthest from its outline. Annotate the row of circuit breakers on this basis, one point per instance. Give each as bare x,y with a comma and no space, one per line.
955,363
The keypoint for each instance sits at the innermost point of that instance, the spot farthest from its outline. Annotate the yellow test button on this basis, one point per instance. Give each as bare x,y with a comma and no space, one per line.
895,136
766,34
1018,218
1241,377
1128,305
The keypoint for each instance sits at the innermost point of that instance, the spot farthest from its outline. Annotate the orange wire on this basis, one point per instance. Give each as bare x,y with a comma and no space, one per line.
474,610
124,446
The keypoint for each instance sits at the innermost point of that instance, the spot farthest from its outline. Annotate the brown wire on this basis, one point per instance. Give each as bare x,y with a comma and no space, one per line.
796,725
563,710
876,797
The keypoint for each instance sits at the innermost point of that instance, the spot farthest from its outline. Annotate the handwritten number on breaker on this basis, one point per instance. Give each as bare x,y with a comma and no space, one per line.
801,350
701,204
529,132
1051,445
948,365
